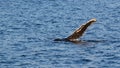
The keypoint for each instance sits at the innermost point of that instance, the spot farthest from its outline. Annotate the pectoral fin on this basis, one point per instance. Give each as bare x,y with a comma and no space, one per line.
80,31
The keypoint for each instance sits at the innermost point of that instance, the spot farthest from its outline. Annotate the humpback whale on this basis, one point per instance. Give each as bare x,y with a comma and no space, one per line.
78,32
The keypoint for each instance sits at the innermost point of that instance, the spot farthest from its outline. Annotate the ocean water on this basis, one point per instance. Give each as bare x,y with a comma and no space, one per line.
28,28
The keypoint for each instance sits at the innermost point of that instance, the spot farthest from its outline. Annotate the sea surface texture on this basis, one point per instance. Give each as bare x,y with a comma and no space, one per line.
28,28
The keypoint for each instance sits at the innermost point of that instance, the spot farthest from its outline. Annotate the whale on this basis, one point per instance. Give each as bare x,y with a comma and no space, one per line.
78,32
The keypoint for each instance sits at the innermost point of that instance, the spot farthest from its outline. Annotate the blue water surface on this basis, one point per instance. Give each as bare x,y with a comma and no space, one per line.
28,28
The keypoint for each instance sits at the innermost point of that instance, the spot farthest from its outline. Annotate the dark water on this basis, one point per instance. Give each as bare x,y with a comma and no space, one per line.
28,27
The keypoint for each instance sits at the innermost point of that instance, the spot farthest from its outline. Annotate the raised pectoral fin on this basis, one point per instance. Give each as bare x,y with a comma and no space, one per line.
79,32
